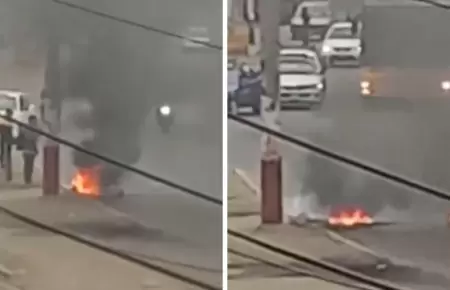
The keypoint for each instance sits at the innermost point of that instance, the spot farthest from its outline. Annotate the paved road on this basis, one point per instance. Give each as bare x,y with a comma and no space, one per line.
408,140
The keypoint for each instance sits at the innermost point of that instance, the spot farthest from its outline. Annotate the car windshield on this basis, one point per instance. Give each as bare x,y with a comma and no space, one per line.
321,10
7,102
341,33
298,66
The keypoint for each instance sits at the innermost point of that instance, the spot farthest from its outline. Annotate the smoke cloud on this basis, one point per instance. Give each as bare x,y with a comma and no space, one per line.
328,184
106,71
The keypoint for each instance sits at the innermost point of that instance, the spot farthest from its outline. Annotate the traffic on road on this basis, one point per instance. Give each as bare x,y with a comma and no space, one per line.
386,105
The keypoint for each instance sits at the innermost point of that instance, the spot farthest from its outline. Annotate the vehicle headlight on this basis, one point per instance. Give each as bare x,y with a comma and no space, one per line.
445,85
365,85
165,110
365,88
326,49
320,86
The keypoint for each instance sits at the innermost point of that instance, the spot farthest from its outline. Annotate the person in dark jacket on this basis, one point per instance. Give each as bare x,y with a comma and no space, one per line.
354,22
29,144
5,139
306,21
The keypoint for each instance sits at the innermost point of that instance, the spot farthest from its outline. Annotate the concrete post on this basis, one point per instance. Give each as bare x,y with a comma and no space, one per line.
271,161
52,112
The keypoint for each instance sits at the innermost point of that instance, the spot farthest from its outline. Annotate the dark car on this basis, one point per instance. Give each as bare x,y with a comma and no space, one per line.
244,89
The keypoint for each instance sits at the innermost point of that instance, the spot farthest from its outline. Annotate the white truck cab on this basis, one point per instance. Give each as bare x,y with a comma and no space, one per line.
320,15
343,45
21,108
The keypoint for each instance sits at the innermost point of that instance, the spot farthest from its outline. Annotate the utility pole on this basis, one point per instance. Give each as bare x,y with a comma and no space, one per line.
271,161
269,11
51,108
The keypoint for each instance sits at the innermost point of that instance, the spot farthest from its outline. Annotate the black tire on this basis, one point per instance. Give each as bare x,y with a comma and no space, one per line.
257,110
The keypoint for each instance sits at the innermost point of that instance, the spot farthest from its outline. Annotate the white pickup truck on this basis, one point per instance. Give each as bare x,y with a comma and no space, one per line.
18,103
302,79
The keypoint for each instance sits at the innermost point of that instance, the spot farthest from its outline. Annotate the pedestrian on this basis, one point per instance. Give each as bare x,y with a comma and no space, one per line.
5,138
355,23
29,140
306,22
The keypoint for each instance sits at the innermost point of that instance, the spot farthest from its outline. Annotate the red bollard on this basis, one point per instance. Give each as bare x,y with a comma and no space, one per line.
50,176
271,190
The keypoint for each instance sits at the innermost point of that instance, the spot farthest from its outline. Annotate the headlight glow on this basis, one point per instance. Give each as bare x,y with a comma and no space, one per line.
165,110
320,86
326,49
445,85
365,92
365,85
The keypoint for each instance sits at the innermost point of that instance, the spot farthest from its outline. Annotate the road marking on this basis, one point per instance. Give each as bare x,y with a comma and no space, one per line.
247,181
340,238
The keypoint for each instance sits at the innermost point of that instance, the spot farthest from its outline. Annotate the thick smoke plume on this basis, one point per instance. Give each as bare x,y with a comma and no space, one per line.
104,73
334,185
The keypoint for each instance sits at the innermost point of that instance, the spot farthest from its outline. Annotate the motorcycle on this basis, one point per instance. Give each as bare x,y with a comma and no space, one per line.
165,118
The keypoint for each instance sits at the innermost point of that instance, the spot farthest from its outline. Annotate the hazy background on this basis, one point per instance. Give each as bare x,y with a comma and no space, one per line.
114,76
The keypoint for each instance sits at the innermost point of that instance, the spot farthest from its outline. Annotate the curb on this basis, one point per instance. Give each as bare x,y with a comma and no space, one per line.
5,272
98,245
383,260
247,181
306,258
336,237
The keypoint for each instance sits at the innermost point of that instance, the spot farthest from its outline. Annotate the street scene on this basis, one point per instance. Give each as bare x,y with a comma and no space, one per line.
364,79
117,102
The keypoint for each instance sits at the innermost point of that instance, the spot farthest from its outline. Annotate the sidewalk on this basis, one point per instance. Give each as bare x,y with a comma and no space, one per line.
243,217
95,221
36,260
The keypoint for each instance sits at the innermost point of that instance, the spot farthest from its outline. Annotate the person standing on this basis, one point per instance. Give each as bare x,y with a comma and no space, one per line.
29,146
6,140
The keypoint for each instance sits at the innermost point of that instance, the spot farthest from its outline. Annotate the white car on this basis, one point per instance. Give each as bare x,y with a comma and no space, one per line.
320,15
301,77
19,104
341,45
196,37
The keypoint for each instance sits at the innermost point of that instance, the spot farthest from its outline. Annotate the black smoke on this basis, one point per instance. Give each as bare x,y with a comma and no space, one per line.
105,72
335,185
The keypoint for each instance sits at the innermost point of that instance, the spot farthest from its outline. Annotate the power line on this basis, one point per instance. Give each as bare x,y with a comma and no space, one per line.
434,3
346,160
133,23
109,160
312,147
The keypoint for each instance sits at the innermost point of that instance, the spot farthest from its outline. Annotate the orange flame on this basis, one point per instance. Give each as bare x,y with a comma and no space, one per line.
86,182
350,218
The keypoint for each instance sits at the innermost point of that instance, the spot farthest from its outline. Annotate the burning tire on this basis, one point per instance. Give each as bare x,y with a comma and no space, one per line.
87,182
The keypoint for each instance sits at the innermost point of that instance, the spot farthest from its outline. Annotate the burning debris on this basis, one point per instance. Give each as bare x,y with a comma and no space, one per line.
87,182
350,217
338,218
